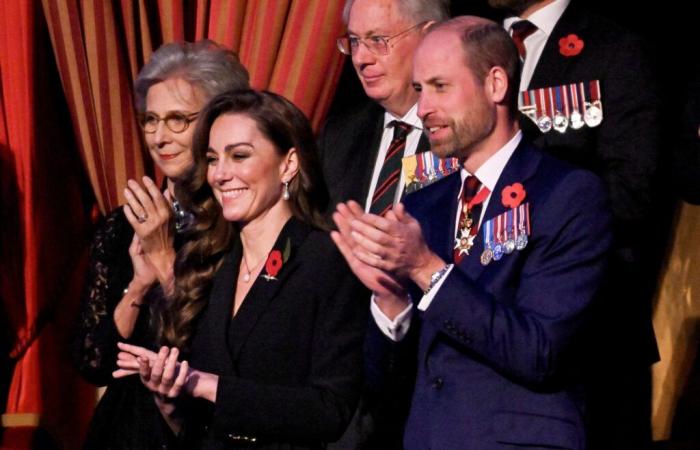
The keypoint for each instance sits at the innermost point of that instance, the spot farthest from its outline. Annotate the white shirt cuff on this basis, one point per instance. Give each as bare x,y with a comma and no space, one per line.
393,329
427,299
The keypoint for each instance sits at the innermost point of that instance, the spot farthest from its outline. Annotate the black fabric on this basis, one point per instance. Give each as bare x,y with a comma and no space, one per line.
126,416
290,361
349,145
624,151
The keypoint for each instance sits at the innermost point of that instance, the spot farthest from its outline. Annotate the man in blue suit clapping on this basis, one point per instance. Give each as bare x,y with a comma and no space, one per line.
483,281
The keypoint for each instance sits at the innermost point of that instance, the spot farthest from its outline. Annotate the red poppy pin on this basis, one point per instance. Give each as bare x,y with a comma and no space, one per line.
570,45
512,196
275,261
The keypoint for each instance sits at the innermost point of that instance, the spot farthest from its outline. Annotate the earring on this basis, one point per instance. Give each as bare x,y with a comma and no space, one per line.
285,191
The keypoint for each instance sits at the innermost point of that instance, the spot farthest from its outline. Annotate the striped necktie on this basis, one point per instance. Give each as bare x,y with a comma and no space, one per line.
385,192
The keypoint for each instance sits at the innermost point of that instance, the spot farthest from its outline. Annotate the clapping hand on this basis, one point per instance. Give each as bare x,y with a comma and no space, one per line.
160,372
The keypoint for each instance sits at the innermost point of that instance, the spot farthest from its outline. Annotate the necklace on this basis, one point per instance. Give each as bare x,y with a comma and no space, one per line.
249,271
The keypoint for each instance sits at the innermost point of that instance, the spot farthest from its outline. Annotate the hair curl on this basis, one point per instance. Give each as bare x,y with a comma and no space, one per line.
209,67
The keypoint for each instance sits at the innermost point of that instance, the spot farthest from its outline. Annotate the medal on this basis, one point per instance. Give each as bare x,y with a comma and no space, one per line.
509,244
498,249
594,109
464,240
544,122
576,118
497,252
526,106
487,254
523,230
561,113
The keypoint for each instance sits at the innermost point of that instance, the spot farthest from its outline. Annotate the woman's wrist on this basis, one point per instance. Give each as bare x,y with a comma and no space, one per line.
135,292
163,263
202,385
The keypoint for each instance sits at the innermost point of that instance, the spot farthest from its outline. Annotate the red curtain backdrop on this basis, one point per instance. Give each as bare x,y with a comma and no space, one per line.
287,45
44,230
69,141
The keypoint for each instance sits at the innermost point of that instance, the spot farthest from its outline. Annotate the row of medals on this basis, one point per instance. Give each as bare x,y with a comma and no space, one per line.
500,248
592,111
504,248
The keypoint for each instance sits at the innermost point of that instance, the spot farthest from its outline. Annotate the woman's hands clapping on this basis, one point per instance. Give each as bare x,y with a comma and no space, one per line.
150,214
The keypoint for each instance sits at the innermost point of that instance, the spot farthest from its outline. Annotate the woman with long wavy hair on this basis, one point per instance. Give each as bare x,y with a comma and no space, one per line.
134,247
266,311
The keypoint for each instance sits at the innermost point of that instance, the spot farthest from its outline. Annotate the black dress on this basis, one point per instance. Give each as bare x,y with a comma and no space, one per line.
126,416
290,362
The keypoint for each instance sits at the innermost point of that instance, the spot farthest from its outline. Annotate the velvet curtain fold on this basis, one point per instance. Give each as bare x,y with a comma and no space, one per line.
43,235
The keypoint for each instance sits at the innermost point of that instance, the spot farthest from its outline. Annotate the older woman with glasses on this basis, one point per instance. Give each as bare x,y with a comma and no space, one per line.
133,251
267,314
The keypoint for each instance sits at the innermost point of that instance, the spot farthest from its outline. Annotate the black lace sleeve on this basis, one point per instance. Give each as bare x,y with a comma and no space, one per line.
109,272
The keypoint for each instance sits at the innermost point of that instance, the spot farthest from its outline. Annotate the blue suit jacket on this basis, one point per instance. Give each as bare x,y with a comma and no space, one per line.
499,346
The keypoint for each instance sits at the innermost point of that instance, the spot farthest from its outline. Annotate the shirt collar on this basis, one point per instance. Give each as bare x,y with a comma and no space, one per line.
544,19
411,118
490,171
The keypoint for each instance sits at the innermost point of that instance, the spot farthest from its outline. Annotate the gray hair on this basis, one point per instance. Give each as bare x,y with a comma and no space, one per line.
204,64
417,11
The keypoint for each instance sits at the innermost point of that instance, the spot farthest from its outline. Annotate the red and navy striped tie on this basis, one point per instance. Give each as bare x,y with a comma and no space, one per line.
388,180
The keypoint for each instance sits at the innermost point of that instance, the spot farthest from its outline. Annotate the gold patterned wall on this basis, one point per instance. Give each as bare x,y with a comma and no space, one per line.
677,319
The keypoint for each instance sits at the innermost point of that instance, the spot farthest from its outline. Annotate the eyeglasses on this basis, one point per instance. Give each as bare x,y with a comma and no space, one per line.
176,122
379,45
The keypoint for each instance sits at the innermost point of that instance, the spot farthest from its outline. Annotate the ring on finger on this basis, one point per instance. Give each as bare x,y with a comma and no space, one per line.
142,218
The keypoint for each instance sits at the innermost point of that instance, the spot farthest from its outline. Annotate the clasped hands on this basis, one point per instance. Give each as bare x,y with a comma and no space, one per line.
163,374
384,252
160,372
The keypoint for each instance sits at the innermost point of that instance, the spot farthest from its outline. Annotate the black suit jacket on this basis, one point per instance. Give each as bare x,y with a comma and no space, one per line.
348,145
290,361
622,150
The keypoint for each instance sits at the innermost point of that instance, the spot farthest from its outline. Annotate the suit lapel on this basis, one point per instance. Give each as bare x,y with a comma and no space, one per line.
375,122
552,65
520,167
265,290
437,224
218,313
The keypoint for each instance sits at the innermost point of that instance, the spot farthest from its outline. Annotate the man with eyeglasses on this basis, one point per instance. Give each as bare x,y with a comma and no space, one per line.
361,152
361,149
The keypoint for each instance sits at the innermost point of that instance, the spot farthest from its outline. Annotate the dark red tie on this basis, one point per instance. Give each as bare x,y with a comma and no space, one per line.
385,192
470,209
521,30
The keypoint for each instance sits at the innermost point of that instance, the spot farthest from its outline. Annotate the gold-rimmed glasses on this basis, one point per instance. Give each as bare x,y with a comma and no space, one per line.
177,122
377,44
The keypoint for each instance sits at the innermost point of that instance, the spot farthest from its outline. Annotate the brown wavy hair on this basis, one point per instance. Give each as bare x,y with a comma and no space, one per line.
208,241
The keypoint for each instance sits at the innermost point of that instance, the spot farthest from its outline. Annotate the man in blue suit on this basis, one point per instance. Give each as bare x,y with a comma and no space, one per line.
493,270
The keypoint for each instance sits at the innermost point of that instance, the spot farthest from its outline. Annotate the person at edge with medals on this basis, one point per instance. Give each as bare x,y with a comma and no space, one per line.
262,346
495,268
133,250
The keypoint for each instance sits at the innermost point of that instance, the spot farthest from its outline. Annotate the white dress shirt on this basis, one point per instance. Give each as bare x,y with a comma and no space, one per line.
412,139
544,19
489,173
